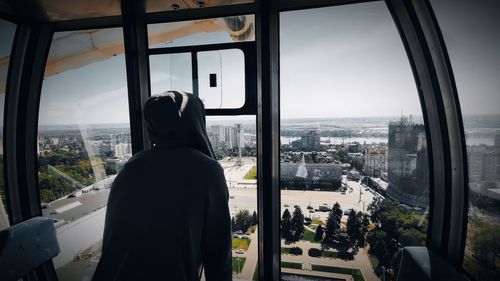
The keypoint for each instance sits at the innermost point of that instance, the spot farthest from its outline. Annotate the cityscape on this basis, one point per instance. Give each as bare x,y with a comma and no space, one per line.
351,197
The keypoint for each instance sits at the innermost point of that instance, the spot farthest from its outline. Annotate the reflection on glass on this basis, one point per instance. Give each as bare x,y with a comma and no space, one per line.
472,37
83,141
235,145
7,30
226,89
204,31
354,163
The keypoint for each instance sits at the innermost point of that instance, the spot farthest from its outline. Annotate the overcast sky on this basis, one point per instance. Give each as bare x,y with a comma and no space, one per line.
345,61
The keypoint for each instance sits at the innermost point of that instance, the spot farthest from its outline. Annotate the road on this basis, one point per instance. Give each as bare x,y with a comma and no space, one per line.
355,188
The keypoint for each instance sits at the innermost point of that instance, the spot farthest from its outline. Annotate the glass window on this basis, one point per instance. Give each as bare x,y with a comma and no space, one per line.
234,140
83,141
354,163
7,30
472,37
221,78
171,72
204,31
160,5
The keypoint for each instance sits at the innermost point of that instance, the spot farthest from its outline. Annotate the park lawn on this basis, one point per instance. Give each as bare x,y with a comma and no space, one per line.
252,174
239,243
309,236
330,254
285,250
318,222
252,228
238,263
355,273
293,265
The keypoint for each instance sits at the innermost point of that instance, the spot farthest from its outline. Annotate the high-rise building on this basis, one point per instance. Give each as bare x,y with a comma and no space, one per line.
238,136
484,163
217,136
228,137
375,161
408,172
123,149
311,141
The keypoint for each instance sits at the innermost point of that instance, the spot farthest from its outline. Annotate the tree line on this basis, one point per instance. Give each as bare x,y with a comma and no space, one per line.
332,235
242,220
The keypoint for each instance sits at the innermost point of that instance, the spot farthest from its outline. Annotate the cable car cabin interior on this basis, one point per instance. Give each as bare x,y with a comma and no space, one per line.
360,140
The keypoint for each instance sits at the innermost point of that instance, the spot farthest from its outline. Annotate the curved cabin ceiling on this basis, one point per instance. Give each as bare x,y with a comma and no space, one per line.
77,49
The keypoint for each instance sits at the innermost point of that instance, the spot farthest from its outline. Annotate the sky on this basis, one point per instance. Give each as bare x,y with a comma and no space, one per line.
345,61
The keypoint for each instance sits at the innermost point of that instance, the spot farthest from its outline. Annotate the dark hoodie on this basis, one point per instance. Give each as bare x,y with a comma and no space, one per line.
167,213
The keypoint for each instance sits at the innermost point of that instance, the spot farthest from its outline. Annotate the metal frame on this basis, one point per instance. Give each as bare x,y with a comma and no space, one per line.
30,50
431,104
291,5
203,13
135,39
431,66
81,24
268,128
248,49
458,160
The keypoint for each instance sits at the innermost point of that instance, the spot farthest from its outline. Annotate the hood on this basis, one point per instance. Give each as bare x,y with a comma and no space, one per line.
177,118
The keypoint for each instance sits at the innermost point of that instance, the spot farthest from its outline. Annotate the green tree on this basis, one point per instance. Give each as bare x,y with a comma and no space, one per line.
297,224
333,224
353,227
255,218
358,163
233,224
378,247
46,196
395,227
319,233
243,220
337,211
487,245
286,226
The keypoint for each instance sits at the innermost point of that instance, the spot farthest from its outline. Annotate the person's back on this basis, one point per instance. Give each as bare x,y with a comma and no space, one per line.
167,215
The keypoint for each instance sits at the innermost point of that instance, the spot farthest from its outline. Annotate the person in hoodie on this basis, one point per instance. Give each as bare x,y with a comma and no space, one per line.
167,216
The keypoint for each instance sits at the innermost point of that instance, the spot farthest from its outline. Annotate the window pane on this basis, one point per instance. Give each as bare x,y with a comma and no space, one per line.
221,78
234,140
7,30
161,5
171,72
205,31
83,141
472,37
354,163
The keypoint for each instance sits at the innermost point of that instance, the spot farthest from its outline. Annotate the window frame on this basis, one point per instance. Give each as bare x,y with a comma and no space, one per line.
248,50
